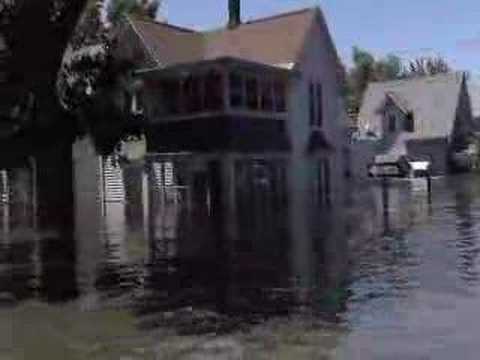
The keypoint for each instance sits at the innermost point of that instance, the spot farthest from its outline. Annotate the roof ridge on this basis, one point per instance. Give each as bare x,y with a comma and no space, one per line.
280,15
261,20
165,24
145,44
417,79
248,22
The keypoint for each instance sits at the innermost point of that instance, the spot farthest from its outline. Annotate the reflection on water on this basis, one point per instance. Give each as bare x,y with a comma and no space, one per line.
159,235
161,249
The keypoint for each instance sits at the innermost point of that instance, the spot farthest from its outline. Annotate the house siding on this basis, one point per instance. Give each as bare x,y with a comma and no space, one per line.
442,117
318,63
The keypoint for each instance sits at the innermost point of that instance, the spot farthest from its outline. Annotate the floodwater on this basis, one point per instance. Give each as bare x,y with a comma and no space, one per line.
117,285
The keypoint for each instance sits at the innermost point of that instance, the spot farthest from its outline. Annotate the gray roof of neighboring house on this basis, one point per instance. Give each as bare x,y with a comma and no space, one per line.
432,100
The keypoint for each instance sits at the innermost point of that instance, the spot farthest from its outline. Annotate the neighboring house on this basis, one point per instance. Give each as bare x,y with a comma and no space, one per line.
474,92
428,117
251,113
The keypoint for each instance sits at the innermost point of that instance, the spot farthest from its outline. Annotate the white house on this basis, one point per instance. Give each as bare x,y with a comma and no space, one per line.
249,110
246,126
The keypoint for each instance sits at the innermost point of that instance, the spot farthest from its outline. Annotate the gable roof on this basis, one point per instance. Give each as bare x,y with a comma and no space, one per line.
276,40
433,101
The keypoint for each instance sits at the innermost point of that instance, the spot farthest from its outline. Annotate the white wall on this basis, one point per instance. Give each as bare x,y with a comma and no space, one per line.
318,64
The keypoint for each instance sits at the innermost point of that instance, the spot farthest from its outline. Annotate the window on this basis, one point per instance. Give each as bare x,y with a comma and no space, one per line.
267,95
409,122
193,94
252,92
319,105
392,126
279,91
213,90
311,91
326,166
171,96
316,104
236,90
323,183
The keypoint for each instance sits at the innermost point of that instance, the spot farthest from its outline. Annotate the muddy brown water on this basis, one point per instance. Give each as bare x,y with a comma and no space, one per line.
110,288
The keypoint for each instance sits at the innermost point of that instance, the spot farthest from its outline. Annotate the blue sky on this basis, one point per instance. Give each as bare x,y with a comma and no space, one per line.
408,28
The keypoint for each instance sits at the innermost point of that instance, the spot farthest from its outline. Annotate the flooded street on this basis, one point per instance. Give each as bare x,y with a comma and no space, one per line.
415,294
117,286
226,182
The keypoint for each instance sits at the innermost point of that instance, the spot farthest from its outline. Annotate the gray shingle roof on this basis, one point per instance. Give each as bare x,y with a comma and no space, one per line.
433,101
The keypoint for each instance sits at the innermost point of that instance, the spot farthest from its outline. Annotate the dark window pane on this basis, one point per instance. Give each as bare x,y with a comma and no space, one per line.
252,93
320,183
311,91
319,105
323,183
171,96
410,123
193,94
326,165
280,91
267,95
236,90
214,90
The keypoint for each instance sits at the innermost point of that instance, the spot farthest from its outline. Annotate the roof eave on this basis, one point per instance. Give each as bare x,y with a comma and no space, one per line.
221,60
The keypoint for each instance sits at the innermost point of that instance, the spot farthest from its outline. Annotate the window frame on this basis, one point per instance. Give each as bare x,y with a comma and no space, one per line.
409,122
319,104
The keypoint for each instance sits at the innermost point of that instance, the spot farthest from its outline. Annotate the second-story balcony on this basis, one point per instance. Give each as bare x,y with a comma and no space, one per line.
216,86
216,105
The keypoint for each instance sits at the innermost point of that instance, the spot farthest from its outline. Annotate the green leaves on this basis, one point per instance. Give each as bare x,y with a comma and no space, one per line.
367,69
117,10
427,66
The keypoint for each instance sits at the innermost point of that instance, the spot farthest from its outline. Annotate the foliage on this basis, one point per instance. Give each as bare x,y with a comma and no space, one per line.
117,9
96,86
427,66
367,69
106,115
